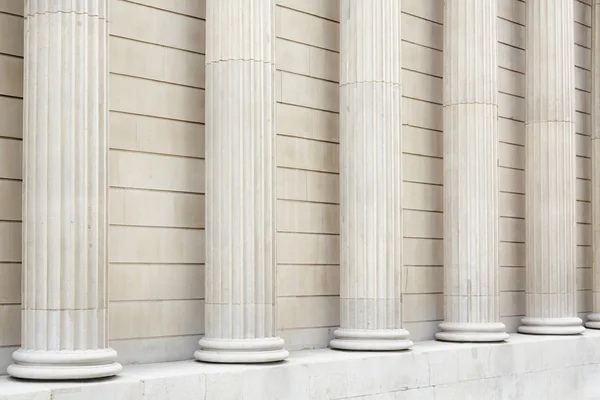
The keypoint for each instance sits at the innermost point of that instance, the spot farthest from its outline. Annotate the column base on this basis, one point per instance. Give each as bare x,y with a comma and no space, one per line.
472,332
551,326
64,365
241,351
371,340
593,321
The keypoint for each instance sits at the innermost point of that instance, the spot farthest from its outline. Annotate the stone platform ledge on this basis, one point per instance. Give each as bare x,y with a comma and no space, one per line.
525,367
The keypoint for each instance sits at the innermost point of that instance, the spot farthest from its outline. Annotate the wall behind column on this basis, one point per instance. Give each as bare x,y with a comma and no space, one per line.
156,236
11,127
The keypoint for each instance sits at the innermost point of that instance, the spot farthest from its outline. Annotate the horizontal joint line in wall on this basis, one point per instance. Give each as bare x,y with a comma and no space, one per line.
145,78
309,233
155,337
423,101
156,300
308,170
459,103
156,44
165,10
10,55
422,45
422,73
124,263
511,95
11,14
10,179
156,117
307,138
308,76
307,44
512,70
423,18
305,296
373,81
511,21
153,189
307,13
422,127
8,96
512,144
308,107
156,154
240,59
326,203
157,226
512,46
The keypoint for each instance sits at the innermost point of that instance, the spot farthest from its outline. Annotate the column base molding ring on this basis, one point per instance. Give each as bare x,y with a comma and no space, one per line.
593,321
241,351
551,326
371,340
472,332
64,365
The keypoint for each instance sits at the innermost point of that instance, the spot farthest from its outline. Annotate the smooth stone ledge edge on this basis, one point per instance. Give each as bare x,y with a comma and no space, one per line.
524,362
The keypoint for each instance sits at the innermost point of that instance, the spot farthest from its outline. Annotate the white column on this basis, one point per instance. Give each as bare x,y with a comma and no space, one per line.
594,318
64,315
471,292
240,184
550,170
371,177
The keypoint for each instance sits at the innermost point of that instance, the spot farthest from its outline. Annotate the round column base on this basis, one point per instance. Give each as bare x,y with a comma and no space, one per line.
241,351
472,332
551,326
593,321
64,365
371,340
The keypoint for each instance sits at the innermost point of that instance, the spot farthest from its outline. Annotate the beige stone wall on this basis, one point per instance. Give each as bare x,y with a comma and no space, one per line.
11,127
157,171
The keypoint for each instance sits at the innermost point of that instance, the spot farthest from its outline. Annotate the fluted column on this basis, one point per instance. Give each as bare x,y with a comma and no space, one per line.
550,170
594,318
371,177
240,184
471,292
64,309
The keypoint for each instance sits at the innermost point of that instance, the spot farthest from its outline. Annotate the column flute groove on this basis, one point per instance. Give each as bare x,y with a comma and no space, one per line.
594,318
240,184
371,177
471,218
550,170
65,188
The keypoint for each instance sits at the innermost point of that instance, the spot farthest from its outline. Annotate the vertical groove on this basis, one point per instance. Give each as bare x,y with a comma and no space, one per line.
240,196
371,178
65,176
550,166
471,292
595,317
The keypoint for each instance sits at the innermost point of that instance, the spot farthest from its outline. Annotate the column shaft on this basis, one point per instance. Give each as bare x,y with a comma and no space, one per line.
371,177
64,306
471,292
240,184
550,170
594,318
